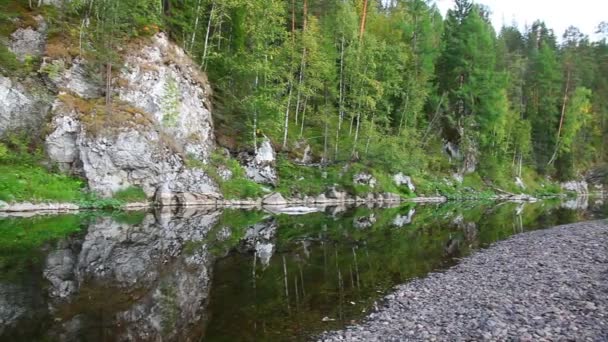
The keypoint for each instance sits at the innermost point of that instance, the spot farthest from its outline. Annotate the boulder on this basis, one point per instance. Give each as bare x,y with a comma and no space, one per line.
304,152
261,167
401,179
322,199
364,178
274,198
335,194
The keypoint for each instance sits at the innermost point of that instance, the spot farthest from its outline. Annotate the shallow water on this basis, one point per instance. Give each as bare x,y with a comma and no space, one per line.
235,275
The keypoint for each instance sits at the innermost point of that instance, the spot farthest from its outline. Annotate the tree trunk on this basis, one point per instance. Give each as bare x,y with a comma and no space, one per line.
303,116
341,98
286,124
255,121
108,86
198,14
363,18
353,154
561,121
407,100
369,133
204,61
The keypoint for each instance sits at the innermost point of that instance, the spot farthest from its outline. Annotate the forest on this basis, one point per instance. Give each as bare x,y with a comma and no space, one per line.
393,83
390,84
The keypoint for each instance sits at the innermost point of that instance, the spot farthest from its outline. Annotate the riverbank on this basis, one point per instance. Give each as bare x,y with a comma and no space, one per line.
543,285
274,202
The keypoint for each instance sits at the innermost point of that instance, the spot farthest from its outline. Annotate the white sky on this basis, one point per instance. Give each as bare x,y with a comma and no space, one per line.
557,14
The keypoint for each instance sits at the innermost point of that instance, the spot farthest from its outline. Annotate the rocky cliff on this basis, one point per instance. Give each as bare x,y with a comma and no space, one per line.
157,119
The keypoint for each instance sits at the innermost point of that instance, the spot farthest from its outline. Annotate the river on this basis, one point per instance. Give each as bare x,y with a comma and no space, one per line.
236,275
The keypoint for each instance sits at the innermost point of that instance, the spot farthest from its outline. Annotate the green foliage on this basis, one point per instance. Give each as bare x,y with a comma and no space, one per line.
170,103
3,152
34,183
131,194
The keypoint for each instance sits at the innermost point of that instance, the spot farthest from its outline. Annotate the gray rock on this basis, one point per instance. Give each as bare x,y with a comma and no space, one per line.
61,145
29,41
534,286
161,80
580,187
75,79
401,179
364,178
21,108
274,198
261,168
335,194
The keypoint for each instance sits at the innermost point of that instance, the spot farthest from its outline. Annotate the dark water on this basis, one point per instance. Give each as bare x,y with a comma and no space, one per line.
191,275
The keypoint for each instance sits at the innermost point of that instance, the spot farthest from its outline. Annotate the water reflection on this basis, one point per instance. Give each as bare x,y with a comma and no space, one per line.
234,275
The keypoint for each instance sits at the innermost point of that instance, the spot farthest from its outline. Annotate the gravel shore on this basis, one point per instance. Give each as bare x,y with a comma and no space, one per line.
544,285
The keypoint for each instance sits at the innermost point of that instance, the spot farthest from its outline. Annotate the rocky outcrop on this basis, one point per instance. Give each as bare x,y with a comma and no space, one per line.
162,81
76,79
30,41
261,167
20,108
161,118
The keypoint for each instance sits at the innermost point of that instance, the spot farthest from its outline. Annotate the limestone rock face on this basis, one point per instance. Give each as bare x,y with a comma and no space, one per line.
29,41
161,117
75,79
162,81
61,144
261,168
20,108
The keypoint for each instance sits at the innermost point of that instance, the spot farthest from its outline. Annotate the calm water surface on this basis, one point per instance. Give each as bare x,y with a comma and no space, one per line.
232,275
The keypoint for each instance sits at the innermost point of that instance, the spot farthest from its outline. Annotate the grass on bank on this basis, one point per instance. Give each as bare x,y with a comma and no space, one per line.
24,179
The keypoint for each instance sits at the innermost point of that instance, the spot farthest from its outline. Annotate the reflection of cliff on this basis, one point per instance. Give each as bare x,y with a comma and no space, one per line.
145,281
